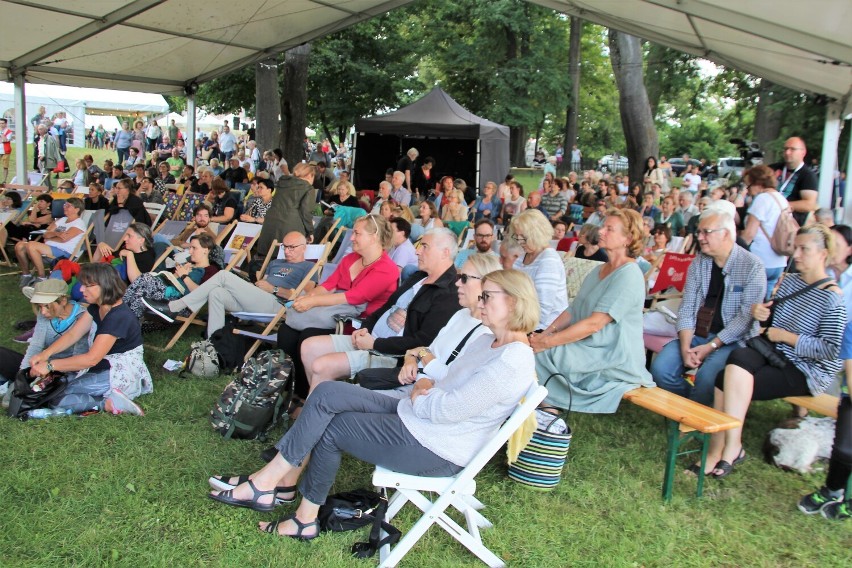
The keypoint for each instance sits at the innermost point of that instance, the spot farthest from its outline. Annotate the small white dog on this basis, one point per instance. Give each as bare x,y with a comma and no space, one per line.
798,443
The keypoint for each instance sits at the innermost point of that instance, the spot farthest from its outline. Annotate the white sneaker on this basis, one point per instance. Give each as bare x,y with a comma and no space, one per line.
118,403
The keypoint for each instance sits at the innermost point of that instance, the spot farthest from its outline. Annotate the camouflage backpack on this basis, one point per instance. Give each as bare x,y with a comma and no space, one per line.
252,404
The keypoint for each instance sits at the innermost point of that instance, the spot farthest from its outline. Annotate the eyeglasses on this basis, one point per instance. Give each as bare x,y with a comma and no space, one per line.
463,278
478,236
485,296
708,232
520,239
291,247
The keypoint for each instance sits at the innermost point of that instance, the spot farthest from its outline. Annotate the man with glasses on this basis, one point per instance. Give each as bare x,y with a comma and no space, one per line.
226,292
483,241
722,283
796,181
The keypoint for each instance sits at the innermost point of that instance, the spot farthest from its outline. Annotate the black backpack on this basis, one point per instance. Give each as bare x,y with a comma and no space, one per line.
255,401
230,347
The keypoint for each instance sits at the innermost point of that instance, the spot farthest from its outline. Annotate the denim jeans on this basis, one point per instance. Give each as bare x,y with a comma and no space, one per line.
772,276
667,370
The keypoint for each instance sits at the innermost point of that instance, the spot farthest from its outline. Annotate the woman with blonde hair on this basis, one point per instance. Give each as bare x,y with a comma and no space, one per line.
532,232
595,347
455,209
435,431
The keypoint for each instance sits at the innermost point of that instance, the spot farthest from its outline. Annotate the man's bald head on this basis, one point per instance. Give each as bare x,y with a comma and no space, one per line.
294,244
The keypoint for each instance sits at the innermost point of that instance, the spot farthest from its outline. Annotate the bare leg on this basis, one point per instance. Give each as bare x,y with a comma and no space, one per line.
4,235
329,368
739,386
23,257
35,251
312,349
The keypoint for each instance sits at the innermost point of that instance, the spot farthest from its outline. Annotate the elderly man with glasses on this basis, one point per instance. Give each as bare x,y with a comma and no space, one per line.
226,292
714,318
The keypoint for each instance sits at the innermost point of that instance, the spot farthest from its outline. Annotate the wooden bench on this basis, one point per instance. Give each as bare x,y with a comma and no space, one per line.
824,404
686,420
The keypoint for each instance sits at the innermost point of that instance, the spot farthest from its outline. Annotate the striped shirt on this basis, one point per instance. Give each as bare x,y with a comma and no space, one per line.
818,317
554,204
745,284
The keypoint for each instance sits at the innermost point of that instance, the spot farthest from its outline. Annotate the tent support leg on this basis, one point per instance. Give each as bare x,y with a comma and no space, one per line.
189,135
828,160
21,130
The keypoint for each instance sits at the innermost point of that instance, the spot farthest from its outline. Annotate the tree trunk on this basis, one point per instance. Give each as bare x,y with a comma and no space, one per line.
574,74
518,146
267,104
767,120
655,74
294,102
640,133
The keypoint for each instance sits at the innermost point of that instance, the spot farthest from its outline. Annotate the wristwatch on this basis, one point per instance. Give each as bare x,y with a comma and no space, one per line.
49,366
422,353
275,290
714,345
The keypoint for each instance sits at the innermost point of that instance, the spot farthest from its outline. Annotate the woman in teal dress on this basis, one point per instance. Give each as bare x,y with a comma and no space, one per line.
596,346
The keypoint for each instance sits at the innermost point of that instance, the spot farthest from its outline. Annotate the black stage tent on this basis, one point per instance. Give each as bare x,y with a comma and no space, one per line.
463,144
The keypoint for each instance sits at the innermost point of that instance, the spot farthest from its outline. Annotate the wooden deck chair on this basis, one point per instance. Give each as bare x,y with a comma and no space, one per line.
155,211
190,202
33,178
88,218
192,318
243,237
456,491
344,237
676,244
313,252
161,252
458,227
222,231
330,232
172,202
671,274
170,229
468,241
113,232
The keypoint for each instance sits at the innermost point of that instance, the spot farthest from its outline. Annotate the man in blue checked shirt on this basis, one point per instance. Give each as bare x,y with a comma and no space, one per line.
722,283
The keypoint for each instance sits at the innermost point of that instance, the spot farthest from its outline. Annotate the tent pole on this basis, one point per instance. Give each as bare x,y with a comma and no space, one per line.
21,131
847,210
189,135
478,166
828,160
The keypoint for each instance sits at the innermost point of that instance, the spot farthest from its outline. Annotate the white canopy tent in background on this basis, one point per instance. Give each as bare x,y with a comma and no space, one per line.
91,43
80,103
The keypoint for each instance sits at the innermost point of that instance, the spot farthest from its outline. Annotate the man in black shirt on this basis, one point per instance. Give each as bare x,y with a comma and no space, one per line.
406,166
796,181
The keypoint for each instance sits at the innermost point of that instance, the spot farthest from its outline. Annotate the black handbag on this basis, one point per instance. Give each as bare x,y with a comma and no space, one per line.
352,510
30,394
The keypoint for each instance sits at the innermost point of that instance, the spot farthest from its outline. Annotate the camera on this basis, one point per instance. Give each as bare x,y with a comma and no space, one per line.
749,151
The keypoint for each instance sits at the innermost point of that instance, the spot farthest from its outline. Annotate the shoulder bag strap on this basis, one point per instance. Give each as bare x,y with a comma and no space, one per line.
768,237
776,301
461,344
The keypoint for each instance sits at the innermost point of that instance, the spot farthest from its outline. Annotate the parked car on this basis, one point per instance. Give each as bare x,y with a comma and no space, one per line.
731,167
679,166
612,163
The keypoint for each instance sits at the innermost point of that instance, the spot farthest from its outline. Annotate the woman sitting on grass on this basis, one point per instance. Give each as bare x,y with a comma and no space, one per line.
113,368
55,314
205,260
434,432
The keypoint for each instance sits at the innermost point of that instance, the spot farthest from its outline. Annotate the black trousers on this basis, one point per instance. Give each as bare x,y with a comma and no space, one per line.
840,464
290,341
770,383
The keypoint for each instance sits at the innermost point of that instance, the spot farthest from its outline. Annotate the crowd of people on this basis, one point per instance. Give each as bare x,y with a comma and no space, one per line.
457,335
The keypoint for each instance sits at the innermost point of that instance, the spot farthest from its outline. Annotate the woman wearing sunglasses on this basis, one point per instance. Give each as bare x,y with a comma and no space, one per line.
595,346
435,431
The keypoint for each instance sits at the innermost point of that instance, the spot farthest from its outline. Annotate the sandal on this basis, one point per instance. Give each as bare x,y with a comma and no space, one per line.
227,497
295,404
695,469
726,468
272,528
218,483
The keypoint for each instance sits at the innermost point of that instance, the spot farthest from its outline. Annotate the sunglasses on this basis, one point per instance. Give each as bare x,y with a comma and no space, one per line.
485,296
463,278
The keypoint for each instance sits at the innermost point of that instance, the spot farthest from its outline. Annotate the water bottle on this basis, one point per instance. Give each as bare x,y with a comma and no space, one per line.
39,413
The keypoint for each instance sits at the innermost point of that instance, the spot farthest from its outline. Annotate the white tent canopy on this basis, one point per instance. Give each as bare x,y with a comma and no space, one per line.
79,103
170,46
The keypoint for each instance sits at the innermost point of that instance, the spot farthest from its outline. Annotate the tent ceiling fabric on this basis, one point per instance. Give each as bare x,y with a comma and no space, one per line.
161,46
805,46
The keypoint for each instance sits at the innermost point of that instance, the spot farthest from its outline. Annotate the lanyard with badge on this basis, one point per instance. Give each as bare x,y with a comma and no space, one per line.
790,182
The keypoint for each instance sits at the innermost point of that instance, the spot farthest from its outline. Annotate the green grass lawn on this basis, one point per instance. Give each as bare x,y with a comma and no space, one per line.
72,155
131,491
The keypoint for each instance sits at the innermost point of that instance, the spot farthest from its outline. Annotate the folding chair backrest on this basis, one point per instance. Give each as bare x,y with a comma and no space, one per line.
672,273
170,229
115,229
108,183
155,210
327,269
345,246
675,245
161,252
242,238
171,202
468,239
577,214
312,252
190,202
77,253
242,188
56,208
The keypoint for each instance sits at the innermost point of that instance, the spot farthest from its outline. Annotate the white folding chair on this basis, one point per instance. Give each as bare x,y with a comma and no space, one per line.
242,238
155,210
456,491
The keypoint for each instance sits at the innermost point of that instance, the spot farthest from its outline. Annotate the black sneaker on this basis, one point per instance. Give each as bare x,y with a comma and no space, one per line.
160,308
813,503
837,510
